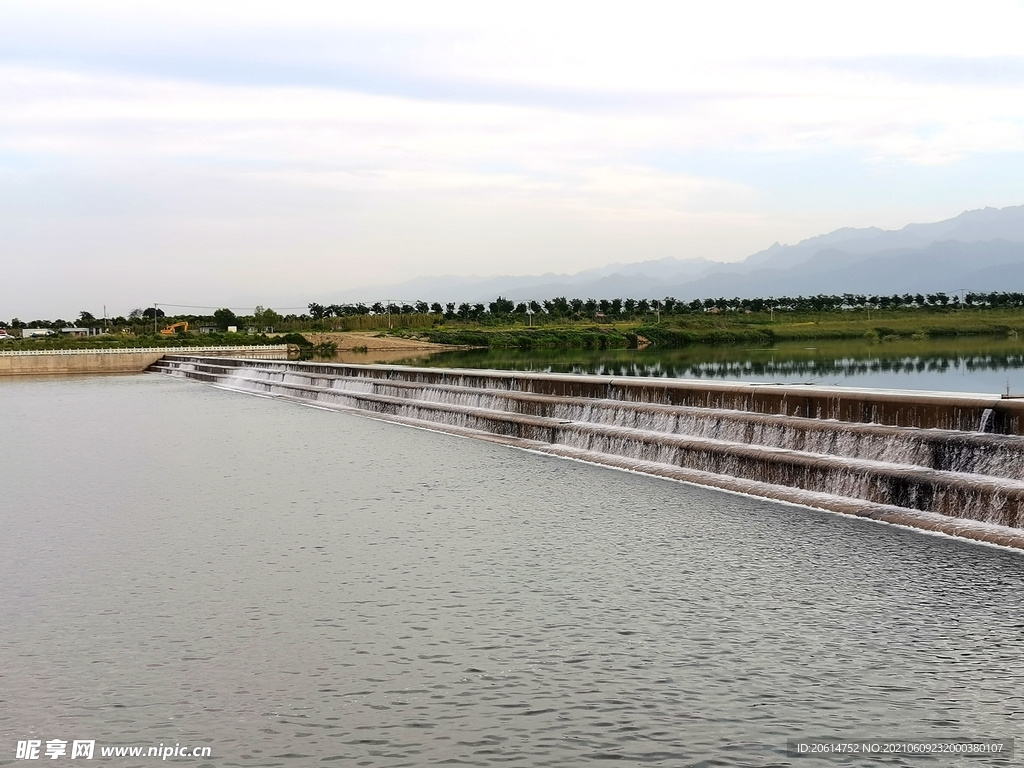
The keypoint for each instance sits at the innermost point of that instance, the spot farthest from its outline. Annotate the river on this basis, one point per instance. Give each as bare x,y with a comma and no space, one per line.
969,364
291,586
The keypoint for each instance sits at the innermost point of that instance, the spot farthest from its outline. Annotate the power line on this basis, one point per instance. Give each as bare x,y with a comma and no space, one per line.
196,306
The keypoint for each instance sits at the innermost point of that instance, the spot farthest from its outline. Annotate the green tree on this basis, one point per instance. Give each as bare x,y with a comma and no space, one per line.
264,317
501,306
225,317
560,306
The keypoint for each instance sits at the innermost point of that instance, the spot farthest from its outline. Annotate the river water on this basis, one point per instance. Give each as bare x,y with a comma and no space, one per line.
968,364
291,586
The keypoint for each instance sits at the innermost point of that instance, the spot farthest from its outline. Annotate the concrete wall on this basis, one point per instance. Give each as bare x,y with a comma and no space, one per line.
76,361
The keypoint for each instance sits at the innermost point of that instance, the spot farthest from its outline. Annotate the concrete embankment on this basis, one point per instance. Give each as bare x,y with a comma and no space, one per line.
74,361
939,461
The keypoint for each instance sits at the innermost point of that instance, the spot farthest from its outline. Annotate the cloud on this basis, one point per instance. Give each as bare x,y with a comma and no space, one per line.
364,135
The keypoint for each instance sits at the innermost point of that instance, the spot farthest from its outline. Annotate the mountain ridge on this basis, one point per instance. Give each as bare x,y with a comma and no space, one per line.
989,252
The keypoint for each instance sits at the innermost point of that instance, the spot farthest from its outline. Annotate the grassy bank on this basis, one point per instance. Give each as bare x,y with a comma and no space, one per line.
43,343
727,328
666,331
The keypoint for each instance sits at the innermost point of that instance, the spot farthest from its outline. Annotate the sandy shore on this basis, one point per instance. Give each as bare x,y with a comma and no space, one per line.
377,349
350,340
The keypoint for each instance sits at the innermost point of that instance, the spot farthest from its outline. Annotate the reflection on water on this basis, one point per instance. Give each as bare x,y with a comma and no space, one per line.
968,365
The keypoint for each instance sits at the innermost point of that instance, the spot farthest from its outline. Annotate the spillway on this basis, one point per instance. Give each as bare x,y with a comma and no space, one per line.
937,461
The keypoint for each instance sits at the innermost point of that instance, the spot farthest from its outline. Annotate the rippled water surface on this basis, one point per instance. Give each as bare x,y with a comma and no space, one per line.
291,586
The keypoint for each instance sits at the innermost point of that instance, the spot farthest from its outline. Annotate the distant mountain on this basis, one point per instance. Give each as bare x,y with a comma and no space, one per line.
969,227
611,280
980,250
947,266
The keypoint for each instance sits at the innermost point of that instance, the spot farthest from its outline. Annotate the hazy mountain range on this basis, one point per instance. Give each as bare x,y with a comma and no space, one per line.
981,250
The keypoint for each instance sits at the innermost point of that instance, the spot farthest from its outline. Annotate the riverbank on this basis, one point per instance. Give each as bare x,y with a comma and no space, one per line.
117,341
367,348
351,347
375,341
722,329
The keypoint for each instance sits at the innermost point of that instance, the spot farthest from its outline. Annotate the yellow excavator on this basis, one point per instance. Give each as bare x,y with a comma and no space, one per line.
172,329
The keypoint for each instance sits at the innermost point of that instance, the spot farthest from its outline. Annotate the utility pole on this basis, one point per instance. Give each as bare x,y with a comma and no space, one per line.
154,318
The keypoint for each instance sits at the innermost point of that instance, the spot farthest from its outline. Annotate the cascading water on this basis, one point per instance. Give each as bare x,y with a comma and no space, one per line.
986,420
845,450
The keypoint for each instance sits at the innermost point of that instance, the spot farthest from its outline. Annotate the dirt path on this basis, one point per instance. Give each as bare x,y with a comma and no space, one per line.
350,340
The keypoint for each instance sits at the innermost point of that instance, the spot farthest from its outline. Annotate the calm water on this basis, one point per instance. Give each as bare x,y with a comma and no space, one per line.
293,586
960,365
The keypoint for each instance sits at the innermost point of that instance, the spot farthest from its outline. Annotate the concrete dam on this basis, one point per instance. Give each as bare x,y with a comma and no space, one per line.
943,462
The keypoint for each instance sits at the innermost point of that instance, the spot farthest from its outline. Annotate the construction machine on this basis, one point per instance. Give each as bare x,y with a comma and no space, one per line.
172,329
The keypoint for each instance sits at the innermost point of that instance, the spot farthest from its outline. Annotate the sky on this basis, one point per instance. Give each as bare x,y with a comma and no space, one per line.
243,153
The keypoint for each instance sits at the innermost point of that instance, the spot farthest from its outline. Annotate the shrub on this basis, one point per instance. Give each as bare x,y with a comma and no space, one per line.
294,338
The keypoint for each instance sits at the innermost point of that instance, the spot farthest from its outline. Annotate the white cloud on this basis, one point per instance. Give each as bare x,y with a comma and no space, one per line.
371,134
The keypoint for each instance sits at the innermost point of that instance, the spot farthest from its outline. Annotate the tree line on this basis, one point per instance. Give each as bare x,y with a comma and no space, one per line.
563,307
139,320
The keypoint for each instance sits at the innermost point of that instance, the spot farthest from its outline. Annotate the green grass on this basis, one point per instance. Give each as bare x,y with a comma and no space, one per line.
726,328
43,343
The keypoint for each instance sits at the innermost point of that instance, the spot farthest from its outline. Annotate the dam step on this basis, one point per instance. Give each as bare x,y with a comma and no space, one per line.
936,410
917,476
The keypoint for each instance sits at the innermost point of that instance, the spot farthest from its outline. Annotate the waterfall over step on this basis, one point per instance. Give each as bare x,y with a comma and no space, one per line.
939,461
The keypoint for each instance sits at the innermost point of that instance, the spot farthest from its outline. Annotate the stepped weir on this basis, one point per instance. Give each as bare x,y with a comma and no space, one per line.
942,462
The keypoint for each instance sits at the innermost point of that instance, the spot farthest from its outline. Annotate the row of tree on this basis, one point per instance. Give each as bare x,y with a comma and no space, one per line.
140,320
265,319
631,308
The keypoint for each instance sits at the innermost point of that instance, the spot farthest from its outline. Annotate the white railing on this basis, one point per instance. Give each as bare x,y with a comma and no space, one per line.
143,350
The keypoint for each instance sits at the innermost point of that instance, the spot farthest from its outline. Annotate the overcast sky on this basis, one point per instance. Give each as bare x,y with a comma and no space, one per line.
216,153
